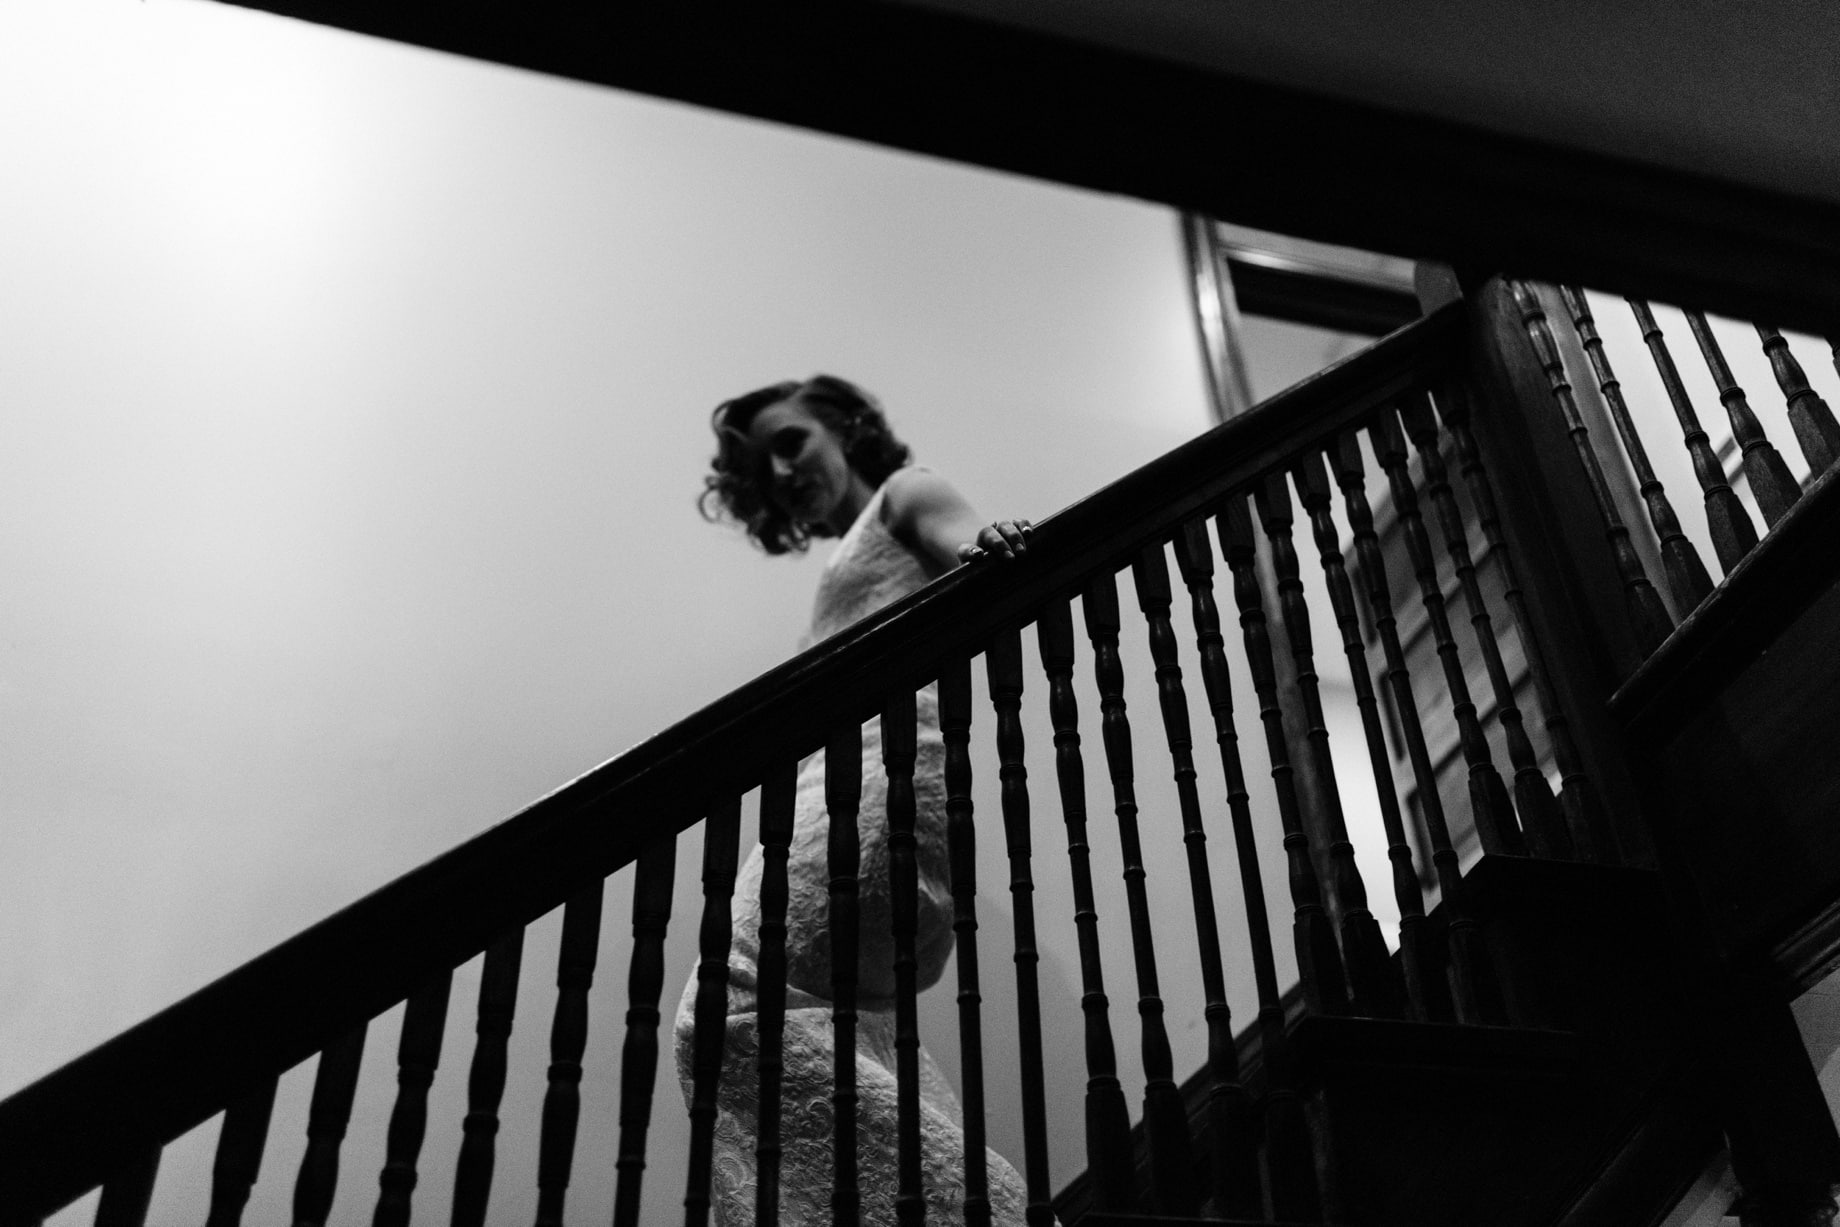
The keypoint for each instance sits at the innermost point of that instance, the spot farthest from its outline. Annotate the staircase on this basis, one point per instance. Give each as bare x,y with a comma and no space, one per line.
1599,897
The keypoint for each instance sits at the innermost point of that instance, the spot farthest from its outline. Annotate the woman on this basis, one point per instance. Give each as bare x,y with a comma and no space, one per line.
796,461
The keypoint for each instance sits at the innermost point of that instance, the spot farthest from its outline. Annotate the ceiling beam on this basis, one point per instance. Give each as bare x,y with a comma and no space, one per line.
1110,120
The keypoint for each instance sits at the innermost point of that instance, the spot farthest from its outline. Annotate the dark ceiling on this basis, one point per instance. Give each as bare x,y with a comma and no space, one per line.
1684,150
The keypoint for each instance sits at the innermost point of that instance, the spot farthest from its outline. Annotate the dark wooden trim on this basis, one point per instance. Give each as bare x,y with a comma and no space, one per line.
174,1070
1319,300
1808,955
1566,575
1427,1045
1102,118
1765,592
1669,1143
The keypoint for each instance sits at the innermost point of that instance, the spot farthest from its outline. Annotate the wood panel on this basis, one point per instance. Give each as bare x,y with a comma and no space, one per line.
1734,725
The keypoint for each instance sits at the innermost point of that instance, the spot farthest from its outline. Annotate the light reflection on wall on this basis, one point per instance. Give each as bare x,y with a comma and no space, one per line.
356,403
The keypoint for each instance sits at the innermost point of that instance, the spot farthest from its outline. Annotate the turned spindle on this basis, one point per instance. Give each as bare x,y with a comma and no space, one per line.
721,845
1150,573
843,852
653,879
1772,485
1172,1167
1003,668
1727,521
1813,422
1232,1110
568,1039
1108,1122
1686,574
961,845
335,1086
899,750
1648,617
1584,815
1466,960
418,1054
485,1086
1489,804
778,810
1542,824
1371,984
240,1144
128,1193
1315,493
1319,962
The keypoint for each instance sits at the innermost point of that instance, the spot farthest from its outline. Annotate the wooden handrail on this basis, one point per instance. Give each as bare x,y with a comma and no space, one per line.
67,1132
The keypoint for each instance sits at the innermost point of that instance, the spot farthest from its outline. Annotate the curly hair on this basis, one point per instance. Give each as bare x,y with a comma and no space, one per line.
739,488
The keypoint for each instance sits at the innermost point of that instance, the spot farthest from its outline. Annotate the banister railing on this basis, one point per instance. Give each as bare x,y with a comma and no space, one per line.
1641,424
1701,497
1398,410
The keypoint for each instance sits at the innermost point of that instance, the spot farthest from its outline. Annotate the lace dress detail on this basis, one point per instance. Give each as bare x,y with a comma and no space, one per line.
868,570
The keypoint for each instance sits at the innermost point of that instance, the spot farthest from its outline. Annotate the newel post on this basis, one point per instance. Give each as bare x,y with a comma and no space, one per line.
1574,614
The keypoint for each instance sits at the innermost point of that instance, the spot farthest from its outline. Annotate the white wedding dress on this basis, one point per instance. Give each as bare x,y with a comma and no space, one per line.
868,570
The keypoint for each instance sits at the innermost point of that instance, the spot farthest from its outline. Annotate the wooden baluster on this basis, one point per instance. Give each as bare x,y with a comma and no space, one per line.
653,879
1108,1121
1371,985
1488,796
1232,1112
778,807
335,1085
568,1038
1815,428
899,750
1313,491
418,1053
961,843
1150,572
1319,962
485,1084
1466,965
1686,574
1647,615
843,799
240,1143
1543,826
1584,816
1773,486
1729,523
1003,669
127,1194
721,846
1172,1168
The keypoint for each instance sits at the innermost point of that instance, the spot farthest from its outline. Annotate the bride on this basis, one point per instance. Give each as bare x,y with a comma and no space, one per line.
795,461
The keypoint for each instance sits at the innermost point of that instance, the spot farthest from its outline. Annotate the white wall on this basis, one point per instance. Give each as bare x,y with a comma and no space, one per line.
357,400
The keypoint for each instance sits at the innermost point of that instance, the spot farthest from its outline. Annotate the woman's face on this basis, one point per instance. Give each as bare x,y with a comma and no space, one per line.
809,477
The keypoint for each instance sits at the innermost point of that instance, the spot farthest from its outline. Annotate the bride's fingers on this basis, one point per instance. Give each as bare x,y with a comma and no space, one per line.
1003,539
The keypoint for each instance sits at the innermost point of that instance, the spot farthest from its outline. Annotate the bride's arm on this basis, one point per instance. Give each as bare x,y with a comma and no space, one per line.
925,513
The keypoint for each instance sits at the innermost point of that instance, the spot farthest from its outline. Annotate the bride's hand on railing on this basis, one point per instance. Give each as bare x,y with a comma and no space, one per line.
1004,539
